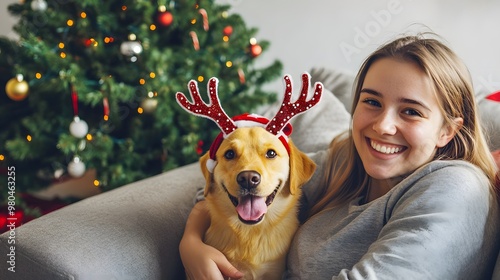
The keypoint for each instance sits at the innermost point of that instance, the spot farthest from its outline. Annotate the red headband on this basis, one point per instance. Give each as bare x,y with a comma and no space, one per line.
279,124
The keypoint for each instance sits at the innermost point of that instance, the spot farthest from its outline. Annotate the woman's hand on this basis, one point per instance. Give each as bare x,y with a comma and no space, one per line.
200,260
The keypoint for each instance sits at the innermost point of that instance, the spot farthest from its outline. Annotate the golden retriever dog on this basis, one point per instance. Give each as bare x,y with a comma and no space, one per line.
253,174
252,196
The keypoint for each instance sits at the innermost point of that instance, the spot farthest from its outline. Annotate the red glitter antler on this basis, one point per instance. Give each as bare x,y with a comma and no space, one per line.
212,111
288,110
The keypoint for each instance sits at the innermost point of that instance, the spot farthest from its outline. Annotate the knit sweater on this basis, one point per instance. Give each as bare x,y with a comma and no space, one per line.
441,222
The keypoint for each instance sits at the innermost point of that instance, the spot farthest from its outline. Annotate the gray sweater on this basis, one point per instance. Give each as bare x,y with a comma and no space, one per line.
441,222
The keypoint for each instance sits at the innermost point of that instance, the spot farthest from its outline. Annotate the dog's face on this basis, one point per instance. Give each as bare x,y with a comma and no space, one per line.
255,176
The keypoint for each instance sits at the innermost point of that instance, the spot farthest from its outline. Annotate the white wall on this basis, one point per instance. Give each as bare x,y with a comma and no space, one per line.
340,34
6,20
312,33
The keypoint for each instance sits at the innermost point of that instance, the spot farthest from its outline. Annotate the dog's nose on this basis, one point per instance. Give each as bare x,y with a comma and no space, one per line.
248,179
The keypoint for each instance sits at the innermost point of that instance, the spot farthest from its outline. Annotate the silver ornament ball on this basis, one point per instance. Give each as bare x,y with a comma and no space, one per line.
39,5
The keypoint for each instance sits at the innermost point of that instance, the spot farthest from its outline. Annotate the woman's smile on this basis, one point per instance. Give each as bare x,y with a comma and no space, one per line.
384,148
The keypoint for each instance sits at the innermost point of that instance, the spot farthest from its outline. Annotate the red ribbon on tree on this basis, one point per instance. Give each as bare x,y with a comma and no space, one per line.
74,98
105,104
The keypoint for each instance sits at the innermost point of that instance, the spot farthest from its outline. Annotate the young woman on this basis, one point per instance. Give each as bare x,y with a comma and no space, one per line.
407,193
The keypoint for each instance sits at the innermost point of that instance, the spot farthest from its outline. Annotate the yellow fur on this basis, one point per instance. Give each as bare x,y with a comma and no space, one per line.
258,250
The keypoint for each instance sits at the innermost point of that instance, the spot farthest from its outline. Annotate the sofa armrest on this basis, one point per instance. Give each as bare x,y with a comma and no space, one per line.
132,232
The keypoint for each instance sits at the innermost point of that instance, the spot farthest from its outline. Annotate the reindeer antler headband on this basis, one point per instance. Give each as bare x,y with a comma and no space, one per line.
279,125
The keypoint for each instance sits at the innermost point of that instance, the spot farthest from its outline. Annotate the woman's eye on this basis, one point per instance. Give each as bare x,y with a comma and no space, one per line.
412,112
271,154
371,102
229,154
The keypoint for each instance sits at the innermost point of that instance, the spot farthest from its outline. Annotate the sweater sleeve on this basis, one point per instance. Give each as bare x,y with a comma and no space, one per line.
442,226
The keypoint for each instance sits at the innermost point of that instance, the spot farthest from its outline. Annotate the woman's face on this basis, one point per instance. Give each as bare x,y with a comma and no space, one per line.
397,124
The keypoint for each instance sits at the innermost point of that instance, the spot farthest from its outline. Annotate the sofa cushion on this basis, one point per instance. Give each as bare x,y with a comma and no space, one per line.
340,83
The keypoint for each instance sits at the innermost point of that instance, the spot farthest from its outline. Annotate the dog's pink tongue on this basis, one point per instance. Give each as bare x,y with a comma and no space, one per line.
251,208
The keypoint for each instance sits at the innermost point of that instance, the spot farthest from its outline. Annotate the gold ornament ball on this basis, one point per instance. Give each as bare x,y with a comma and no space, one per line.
17,89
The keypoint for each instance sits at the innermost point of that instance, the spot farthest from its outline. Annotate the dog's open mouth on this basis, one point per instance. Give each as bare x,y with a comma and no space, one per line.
251,208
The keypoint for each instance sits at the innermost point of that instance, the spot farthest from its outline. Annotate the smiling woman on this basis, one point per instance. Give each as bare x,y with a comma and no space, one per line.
418,174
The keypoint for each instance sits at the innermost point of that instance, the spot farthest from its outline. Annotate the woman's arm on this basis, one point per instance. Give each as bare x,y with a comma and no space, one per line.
202,261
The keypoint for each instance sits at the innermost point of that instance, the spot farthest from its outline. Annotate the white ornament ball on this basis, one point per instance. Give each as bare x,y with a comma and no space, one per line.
76,168
78,128
39,5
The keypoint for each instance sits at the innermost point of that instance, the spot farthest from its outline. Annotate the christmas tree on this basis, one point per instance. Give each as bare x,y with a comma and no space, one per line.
91,84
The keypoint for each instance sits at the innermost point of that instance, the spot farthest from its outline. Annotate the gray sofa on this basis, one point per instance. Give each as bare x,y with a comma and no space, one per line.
133,232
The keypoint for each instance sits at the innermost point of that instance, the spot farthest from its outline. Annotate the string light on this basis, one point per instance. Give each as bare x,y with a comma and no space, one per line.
106,118
96,183
225,38
62,55
93,42
38,75
89,137
61,45
142,81
28,137
140,110
70,22
152,75
108,40
83,15
124,8
152,27
193,21
200,79
2,157
229,63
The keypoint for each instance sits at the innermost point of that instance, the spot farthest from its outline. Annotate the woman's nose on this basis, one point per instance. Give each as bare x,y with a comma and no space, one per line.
385,123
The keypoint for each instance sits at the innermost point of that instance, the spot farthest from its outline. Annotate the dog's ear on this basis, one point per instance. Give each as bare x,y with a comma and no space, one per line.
205,172
301,168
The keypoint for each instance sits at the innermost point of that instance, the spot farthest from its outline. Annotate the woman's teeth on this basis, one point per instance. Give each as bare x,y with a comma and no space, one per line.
385,149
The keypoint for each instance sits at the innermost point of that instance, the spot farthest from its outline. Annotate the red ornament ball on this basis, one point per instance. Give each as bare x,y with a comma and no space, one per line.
227,31
165,18
255,50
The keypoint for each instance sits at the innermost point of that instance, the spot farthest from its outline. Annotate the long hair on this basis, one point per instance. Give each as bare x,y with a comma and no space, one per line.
345,176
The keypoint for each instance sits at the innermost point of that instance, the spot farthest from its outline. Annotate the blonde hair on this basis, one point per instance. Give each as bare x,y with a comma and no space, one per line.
455,94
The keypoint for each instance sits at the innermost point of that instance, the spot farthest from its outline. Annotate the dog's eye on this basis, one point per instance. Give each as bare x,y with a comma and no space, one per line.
229,154
271,154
